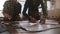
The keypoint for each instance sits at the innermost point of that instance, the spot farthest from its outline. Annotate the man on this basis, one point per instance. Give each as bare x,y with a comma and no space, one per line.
33,13
11,10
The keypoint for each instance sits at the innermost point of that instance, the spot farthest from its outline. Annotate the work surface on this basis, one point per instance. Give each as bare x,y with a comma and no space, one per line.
51,27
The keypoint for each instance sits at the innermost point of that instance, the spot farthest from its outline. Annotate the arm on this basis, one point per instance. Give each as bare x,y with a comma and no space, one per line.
19,8
5,11
44,7
5,6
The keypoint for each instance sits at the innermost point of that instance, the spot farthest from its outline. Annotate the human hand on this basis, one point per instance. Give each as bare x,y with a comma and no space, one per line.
7,16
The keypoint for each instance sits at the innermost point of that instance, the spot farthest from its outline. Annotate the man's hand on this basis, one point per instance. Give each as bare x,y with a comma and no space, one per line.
7,16
43,19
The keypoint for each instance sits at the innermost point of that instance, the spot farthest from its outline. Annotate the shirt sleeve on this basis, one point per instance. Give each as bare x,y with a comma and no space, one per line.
44,8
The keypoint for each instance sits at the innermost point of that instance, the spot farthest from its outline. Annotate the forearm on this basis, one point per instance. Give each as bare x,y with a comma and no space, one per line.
7,16
44,7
